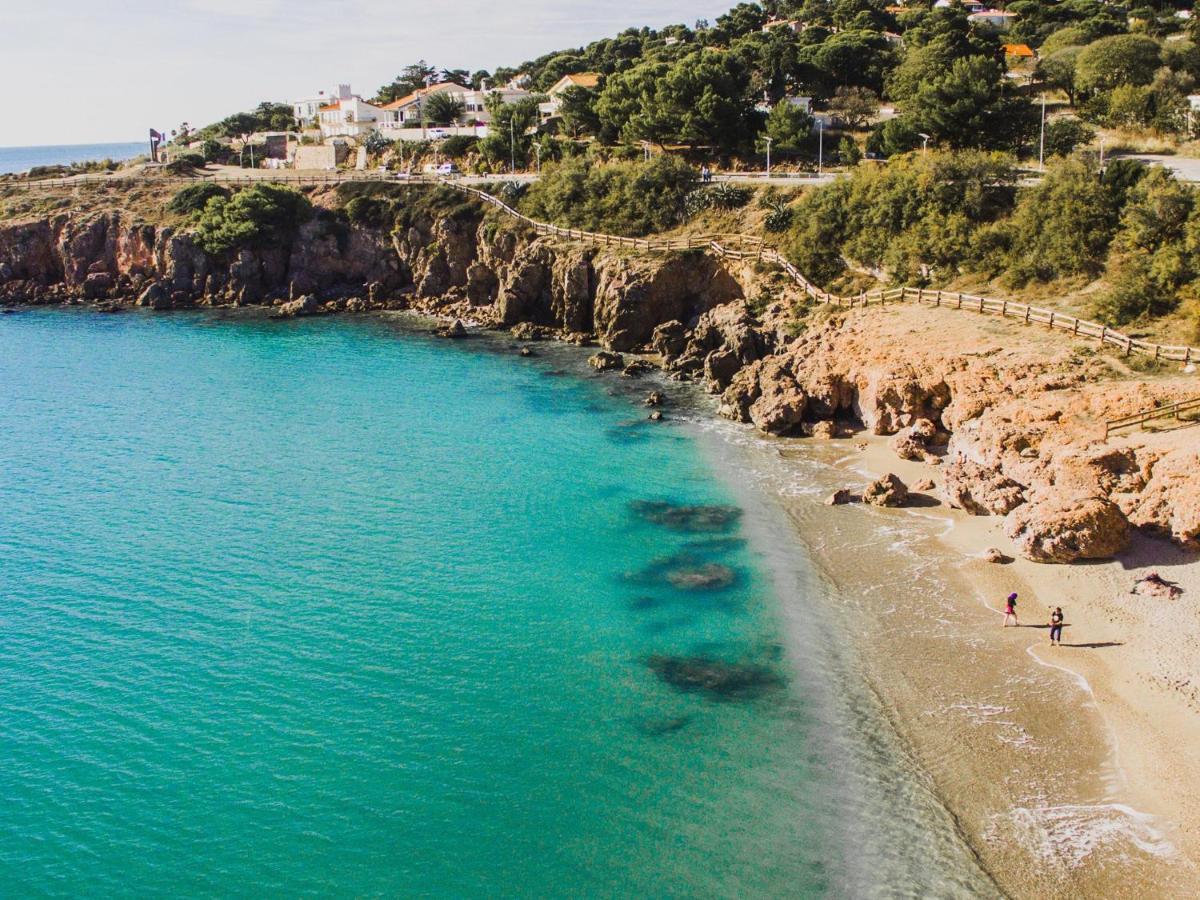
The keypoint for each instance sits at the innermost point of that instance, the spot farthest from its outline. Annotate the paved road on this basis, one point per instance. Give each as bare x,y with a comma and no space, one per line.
1185,168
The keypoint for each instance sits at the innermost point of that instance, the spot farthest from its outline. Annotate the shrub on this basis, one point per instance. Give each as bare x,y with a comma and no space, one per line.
371,212
779,217
213,150
717,196
191,200
458,145
1064,135
629,198
258,216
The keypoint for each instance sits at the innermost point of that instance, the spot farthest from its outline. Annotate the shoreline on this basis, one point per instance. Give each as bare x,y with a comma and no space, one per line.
1044,762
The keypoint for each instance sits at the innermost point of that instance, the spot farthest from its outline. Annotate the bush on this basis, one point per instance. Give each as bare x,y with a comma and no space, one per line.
213,150
628,198
258,216
371,212
458,145
192,158
1064,135
191,200
716,196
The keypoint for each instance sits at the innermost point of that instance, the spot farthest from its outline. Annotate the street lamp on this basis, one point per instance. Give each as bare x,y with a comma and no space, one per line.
924,141
1101,153
820,145
1042,138
512,144
537,148
767,141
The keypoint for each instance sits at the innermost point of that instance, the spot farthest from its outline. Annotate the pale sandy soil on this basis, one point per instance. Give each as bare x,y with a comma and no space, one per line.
1073,770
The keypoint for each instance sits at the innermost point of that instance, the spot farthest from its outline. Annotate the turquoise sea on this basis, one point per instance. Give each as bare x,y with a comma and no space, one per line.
333,607
22,159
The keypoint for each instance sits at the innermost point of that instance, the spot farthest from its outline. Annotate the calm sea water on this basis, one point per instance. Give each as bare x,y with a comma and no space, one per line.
323,607
21,159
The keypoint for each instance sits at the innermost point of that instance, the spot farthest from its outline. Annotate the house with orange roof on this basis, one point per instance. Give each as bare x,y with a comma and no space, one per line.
406,112
348,115
1019,51
589,81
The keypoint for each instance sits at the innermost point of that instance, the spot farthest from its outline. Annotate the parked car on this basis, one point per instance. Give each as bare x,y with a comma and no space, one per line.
447,169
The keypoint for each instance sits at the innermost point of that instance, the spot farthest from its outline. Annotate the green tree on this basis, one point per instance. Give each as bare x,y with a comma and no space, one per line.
1064,135
1058,70
508,134
260,216
1150,259
410,79
1114,61
1062,225
442,108
788,126
577,106
1128,106
854,105
701,99
969,106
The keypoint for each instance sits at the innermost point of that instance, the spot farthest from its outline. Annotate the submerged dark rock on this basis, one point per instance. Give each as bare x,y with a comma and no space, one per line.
686,518
708,577
660,727
716,677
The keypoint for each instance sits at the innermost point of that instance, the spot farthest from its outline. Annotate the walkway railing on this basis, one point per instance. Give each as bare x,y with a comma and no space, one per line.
1174,411
728,246
749,247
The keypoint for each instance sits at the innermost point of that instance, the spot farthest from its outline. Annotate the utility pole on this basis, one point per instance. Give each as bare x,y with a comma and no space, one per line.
537,148
767,140
512,144
1042,139
1101,153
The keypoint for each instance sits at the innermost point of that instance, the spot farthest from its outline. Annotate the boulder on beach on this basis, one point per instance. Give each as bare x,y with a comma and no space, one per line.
980,490
455,330
887,491
606,360
654,398
638,368
655,416
1054,528
304,306
156,296
684,517
840,497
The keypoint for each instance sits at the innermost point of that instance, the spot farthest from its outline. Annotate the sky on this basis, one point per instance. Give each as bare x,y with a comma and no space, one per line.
93,71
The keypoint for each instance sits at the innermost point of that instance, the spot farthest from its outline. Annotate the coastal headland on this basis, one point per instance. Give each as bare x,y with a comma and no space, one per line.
979,442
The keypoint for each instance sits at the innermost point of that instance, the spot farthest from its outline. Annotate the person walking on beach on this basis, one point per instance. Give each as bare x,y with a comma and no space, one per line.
1056,623
1010,611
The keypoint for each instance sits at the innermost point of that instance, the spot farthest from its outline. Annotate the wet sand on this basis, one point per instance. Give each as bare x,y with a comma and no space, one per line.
1051,761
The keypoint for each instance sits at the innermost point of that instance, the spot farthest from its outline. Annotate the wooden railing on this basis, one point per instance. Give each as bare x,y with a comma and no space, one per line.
728,246
1170,411
749,247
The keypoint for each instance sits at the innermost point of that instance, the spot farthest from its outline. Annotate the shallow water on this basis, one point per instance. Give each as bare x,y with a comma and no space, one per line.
329,606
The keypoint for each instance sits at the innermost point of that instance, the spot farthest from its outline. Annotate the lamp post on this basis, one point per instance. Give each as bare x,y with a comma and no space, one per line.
767,141
924,142
1042,138
512,144
820,145
537,148
1101,153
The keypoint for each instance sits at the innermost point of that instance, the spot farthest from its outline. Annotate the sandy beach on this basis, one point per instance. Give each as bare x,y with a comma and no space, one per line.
1068,769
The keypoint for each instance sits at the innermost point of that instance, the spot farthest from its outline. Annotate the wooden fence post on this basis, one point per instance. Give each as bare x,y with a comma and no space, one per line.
1103,333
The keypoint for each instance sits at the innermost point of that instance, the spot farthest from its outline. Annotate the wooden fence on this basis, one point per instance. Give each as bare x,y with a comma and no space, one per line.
749,247
728,246
1174,411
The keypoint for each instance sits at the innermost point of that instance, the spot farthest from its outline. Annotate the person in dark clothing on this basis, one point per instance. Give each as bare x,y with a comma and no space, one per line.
1056,625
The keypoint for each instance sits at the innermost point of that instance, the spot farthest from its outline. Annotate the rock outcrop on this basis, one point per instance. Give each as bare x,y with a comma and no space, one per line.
1053,528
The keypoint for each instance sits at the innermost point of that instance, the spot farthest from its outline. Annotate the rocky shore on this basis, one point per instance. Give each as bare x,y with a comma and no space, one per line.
1009,420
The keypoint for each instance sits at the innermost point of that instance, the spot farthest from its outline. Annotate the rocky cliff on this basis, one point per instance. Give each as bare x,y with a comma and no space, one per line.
1010,419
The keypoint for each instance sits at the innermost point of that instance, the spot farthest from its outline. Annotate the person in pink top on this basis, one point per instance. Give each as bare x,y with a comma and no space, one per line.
1010,610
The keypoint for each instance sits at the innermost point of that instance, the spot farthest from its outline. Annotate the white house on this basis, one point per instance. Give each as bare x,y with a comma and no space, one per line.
305,111
406,112
349,115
